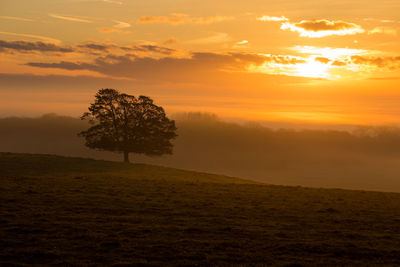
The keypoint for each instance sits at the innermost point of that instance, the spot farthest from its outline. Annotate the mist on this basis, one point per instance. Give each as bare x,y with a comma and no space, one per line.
362,158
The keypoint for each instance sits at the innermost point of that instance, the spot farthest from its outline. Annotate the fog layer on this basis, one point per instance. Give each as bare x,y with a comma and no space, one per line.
366,158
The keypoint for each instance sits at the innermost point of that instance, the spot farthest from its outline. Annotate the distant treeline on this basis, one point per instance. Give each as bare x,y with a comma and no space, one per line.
206,143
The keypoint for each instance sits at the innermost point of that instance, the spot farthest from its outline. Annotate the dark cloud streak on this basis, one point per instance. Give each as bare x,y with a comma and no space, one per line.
25,46
325,25
200,63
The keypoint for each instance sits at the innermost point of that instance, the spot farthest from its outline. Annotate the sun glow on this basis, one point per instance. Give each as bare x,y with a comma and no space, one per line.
308,68
313,69
329,52
314,29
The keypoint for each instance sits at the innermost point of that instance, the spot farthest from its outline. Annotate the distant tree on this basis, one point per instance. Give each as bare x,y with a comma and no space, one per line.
126,124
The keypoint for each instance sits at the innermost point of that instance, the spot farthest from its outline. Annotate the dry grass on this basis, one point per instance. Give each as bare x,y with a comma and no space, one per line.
69,211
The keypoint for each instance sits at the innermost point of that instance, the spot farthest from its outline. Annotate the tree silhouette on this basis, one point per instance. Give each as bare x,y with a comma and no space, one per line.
126,124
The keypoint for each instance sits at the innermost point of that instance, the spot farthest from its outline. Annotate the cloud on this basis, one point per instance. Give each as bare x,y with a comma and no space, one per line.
209,20
150,48
182,18
284,60
112,30
121,24
171,40
383,30
241,44
338,63
198,67
219,37
322,60
25,46
330,52
91,48
61,65
388,21
165,68
272,18
16,18
160,19
244,42
145,48
74,19
44,38
390,62
95,46
322,28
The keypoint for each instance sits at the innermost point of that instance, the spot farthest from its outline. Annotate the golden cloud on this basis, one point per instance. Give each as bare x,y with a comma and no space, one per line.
160,19
112,30
272,18
338,63
69,18
322,28
383,30
215,38
389,62
171,40
167,67
121,24
322,60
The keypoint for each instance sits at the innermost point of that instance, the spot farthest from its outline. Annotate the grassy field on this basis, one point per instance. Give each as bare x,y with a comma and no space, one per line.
71,211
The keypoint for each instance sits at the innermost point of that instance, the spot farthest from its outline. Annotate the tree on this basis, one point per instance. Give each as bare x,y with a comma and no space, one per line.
126,124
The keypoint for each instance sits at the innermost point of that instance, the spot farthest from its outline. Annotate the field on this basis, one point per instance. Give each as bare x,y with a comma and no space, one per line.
71,211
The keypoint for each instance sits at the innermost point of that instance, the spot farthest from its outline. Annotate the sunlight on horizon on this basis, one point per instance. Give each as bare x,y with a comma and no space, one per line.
215,52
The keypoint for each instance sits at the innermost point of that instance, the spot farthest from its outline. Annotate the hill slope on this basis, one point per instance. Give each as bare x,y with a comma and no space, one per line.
58,210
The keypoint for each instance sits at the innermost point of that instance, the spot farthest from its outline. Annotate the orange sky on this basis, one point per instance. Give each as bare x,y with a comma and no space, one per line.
326,61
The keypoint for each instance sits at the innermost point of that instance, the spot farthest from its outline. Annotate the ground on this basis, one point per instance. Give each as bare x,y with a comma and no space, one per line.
71,211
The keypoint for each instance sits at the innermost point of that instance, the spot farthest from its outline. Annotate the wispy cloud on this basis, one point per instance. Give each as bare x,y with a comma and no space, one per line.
16,18
87,48
196,66
383,30
272,18
209,20
244,42
95,46
160,19
171,40
25,46
38,37
219,37
69,18
241,44
331,52
121,24
390,62
354,59
322,60
182,18
322,28
107,30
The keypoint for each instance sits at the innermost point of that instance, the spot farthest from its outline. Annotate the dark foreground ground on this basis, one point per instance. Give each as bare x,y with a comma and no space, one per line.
68,211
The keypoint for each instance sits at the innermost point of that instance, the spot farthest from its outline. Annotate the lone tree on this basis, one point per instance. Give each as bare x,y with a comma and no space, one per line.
126,124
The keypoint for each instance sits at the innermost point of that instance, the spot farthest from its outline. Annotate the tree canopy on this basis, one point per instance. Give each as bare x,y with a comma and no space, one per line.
127,124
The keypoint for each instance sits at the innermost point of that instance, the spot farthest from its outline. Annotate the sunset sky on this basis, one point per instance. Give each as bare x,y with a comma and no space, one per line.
313,61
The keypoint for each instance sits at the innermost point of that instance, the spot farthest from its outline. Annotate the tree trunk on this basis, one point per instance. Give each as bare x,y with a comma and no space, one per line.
126,156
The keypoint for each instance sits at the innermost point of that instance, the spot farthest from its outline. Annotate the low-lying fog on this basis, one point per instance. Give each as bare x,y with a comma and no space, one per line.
361,158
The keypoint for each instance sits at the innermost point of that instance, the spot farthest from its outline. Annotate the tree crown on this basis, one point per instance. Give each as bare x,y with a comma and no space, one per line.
125,123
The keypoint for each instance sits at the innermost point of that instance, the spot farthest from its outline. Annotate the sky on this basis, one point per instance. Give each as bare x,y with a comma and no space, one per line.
332,62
